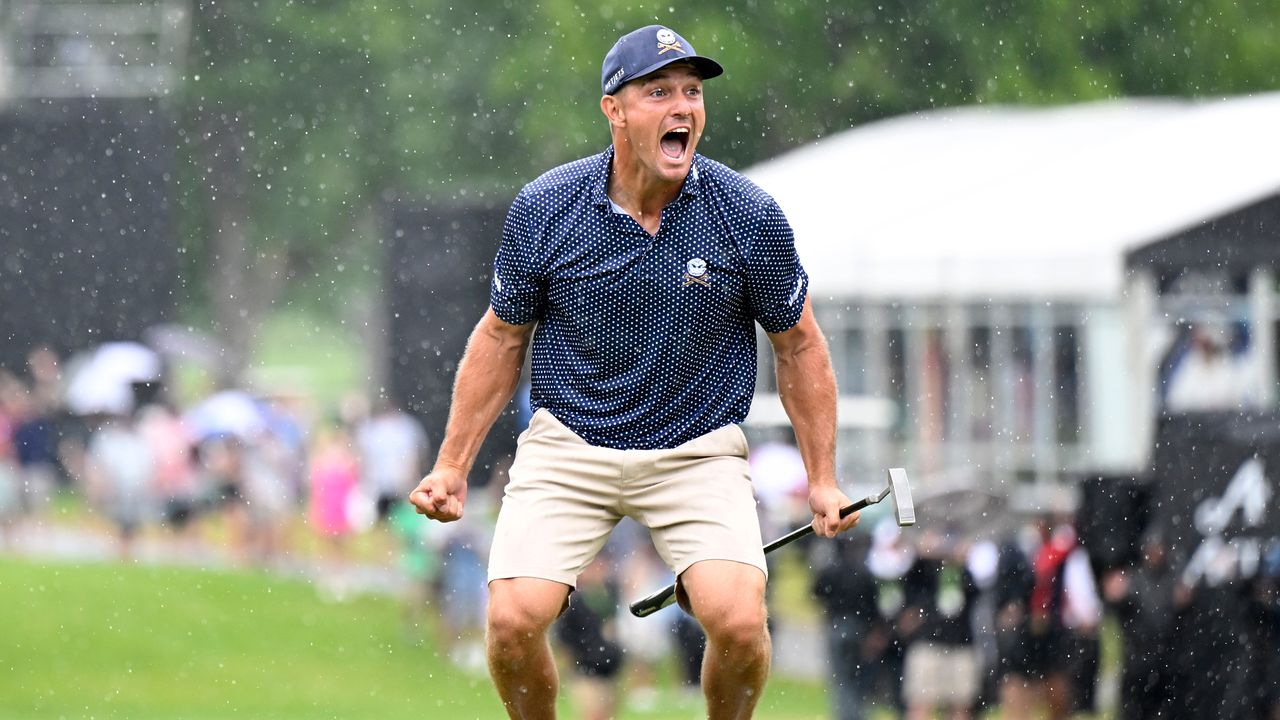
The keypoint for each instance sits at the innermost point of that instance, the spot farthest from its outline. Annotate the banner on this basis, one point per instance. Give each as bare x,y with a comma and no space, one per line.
1215,493
1214,489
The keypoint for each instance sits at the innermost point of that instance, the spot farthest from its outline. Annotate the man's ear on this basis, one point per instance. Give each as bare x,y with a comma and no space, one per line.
611,106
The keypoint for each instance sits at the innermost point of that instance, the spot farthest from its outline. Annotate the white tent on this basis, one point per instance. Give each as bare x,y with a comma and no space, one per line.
1001,203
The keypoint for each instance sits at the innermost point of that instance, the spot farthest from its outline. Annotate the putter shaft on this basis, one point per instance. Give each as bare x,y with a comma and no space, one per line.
905,511
651,604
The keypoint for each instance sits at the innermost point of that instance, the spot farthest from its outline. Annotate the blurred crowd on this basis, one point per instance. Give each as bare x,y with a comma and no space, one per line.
934,621
943,625
940,623
236,470
944,621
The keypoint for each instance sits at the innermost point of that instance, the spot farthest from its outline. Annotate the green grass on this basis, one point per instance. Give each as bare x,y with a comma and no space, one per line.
109,641
126,641
317,355
298,352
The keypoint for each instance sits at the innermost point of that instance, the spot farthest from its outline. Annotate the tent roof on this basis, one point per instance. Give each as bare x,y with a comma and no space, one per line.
1009,202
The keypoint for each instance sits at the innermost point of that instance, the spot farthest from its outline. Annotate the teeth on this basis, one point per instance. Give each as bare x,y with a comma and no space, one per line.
679,130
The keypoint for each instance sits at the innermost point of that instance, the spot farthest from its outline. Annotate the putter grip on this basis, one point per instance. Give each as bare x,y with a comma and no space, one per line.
808,529
646,606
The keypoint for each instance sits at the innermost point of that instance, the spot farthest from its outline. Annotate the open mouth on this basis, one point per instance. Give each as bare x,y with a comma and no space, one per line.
675,142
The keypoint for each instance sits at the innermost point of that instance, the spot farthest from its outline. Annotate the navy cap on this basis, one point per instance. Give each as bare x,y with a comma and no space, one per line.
643,51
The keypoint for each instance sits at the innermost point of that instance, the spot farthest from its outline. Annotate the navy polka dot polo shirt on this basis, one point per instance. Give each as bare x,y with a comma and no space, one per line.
646,341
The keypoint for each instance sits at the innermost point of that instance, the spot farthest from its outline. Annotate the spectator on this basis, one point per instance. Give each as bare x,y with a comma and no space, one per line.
10,472
1082,618
691,647
420,554
1144,600
333,477
848,595
392,445
271,493
1016,669
646,641
983,561
1210,375
888,561
1269,600
220,463
941,664
1065,610
35,442
47,386
176,489
48,395
780,481
464,583
119,472
587,631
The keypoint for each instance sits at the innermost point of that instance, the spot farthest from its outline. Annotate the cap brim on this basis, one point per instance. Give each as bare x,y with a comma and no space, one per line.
705,66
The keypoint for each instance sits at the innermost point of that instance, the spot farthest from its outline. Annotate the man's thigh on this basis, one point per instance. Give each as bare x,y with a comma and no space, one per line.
697,501
558,507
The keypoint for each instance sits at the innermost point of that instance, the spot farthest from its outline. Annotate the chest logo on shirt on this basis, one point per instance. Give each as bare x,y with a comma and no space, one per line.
695,271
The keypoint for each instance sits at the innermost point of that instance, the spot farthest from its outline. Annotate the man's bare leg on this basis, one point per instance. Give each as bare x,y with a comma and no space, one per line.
727,598
520,660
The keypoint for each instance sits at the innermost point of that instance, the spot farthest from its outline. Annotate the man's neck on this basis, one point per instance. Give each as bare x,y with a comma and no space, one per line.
636,190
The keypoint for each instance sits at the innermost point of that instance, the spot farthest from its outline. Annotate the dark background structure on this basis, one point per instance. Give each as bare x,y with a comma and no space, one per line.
88,251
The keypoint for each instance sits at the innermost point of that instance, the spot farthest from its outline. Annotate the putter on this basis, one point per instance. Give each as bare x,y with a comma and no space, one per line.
903,509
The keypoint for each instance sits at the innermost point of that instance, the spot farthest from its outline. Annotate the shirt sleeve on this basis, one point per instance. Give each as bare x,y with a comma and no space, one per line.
518,291
776,281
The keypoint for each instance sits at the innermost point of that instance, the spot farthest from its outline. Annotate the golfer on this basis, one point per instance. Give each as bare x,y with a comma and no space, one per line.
637,276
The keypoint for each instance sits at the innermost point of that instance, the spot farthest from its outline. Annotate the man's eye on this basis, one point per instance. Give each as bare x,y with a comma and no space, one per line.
657,92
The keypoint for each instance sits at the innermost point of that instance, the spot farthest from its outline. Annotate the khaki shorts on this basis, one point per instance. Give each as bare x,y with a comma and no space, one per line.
940,675
564,496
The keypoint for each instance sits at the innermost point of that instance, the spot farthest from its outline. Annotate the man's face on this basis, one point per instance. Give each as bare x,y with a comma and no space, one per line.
662,119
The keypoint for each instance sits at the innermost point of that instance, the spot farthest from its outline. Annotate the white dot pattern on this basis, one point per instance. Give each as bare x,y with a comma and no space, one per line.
632,351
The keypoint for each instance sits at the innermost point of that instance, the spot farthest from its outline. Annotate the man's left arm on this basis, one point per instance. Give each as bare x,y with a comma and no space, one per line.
807,386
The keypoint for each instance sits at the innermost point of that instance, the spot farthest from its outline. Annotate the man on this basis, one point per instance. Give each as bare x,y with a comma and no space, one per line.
638,275
940,668
847,591
392,445
1147,600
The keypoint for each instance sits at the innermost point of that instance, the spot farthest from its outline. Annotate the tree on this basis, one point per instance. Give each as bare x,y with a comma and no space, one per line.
302,119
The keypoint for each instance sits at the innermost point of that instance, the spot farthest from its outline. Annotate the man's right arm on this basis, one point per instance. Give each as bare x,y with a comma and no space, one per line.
487,378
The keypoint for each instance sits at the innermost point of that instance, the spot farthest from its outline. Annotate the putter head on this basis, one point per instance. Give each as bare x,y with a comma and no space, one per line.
900,491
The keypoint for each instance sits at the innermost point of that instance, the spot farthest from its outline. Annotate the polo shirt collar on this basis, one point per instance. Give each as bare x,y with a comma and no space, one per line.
600,180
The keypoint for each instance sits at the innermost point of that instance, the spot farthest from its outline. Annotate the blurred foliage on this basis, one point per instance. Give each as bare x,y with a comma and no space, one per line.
339,106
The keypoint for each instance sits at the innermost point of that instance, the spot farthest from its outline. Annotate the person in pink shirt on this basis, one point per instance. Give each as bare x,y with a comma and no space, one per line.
175,478
334,476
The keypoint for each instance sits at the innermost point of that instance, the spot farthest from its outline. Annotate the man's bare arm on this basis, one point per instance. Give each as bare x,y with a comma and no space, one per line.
807,387
487,377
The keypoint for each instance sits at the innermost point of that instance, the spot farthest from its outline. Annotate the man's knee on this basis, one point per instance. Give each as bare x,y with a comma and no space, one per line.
740,623
728,601
521,609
